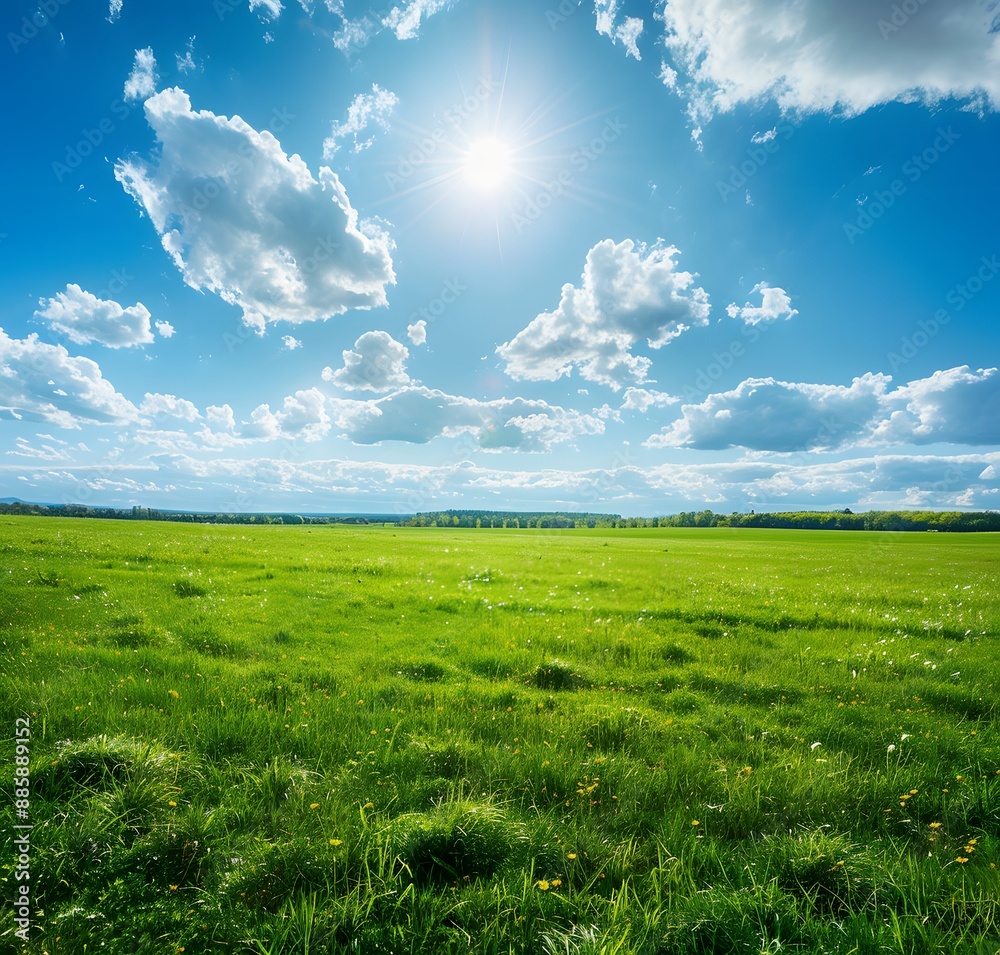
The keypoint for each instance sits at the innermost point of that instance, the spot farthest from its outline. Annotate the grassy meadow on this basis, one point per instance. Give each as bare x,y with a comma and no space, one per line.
271,740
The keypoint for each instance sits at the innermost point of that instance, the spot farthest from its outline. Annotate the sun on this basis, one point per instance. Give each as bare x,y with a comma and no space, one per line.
487,164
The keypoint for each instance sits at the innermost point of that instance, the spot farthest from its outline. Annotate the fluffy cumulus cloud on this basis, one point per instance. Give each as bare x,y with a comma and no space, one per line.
417,332
376,363
628,293
642,399
84,318
404,20
768,415
114,10
302,417
627,32
169,406
813,55
244,220
366,110
221,417
141,83
775,304
165,330
957,406
417,415
42,382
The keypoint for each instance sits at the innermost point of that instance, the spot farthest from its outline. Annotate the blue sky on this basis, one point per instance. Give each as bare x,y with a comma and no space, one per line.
322,255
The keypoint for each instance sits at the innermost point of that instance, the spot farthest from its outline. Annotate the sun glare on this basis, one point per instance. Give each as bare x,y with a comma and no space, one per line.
486,164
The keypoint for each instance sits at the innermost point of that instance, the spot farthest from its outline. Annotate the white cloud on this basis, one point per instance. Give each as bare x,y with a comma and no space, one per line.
269,9
84,318
417,332
627,32
242,219
366,109
759,138
775,304
812,55
41,382
642,399
169,406
417,415
303,416
221,416
114,10
377,363
956,406
186,63
763,414
141,83
165,330
331,484
290,342
353,34
404,20
47,452
628,293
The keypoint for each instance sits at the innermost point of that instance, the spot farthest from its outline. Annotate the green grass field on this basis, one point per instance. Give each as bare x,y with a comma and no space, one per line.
356,740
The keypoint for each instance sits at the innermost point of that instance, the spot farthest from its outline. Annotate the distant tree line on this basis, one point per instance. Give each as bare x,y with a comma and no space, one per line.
845,520
189,517
515,519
